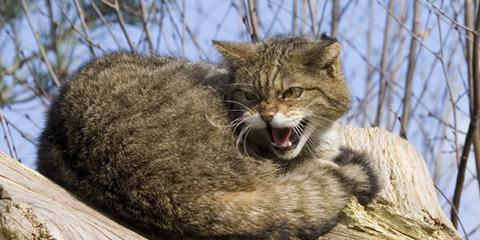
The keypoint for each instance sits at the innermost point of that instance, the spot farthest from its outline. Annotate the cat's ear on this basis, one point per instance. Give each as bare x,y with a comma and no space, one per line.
234,51
320,54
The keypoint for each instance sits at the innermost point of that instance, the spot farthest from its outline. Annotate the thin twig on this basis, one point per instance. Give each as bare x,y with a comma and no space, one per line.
82,37
313,25
146,29
253,17
304,16
23,134
412,62
5,134
184,28
190,34
469,58
335,17
370,69
383,65
395,66
322,15
474,122
452,21
160,25
118,12
53,28
451,205
276,17
39,44
449,85
104,21
81,15
294,16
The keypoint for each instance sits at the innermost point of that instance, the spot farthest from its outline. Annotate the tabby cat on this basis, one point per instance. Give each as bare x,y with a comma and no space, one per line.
149,141
288,92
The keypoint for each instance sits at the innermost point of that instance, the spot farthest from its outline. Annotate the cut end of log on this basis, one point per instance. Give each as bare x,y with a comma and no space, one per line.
407,207
19,221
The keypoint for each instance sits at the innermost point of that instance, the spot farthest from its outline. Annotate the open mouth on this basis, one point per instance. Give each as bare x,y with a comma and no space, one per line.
285,139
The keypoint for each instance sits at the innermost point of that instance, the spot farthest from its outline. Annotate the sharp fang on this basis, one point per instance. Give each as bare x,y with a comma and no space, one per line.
289,144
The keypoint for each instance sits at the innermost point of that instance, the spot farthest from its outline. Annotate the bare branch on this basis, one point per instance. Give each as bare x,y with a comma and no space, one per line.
452,21
53,28
253,17
368,59
313,25
335,17
184,27
83,38
23,134
107,25
118,12
474,121
6,136
81,15
383,65
39,44
412,62
469,58
146,29
294,16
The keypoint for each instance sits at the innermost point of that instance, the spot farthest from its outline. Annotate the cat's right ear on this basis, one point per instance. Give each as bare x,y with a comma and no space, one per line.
236,52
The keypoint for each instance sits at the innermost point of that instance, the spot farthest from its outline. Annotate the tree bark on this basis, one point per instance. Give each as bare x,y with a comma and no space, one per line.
32,207
407,207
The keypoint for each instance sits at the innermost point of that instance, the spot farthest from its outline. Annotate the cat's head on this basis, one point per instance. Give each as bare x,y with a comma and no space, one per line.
285,91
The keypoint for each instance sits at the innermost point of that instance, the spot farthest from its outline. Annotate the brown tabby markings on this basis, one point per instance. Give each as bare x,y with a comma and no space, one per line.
132,135
267,71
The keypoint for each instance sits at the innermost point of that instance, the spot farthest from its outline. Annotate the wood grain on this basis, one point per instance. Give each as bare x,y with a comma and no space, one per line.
407,207
39,209
32,207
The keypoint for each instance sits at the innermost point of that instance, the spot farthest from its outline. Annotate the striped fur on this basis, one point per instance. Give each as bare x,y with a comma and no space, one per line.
147,140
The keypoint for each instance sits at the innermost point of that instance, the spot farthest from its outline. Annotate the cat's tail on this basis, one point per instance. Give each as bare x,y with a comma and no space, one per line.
360,171
302,204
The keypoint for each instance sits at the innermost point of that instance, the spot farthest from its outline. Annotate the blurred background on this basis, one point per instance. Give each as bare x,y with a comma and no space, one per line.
412,66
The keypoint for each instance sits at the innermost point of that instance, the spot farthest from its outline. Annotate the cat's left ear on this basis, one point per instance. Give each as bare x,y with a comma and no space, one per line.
235,51
321,54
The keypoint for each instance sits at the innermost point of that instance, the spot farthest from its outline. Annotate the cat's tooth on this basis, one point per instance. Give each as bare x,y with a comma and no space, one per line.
289,144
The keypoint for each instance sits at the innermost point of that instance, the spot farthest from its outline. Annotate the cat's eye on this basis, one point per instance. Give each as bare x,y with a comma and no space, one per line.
293,92
251,96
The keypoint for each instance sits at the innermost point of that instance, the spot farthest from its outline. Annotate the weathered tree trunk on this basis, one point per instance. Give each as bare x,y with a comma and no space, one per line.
407,207
32,207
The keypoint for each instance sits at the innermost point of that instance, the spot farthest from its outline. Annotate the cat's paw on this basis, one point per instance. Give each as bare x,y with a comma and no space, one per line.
361,174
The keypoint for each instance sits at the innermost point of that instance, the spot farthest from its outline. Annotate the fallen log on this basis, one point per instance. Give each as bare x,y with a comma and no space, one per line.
33,207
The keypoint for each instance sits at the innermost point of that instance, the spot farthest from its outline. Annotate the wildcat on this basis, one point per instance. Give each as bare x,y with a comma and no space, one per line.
149,141
288,93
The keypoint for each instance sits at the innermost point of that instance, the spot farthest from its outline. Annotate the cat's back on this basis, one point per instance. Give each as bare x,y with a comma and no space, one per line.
127,115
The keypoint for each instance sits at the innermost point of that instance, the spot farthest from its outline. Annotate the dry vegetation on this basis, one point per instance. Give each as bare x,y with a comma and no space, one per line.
413,65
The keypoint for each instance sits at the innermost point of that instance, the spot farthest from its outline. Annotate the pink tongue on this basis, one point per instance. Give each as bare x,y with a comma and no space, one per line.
281,136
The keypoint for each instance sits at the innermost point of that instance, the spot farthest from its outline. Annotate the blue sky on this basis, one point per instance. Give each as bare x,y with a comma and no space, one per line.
435,79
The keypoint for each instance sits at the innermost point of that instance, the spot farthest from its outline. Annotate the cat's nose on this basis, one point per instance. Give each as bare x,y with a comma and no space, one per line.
267,116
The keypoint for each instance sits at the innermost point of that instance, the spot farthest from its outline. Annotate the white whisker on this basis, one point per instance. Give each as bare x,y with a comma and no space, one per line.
245,140
240,135
239,103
